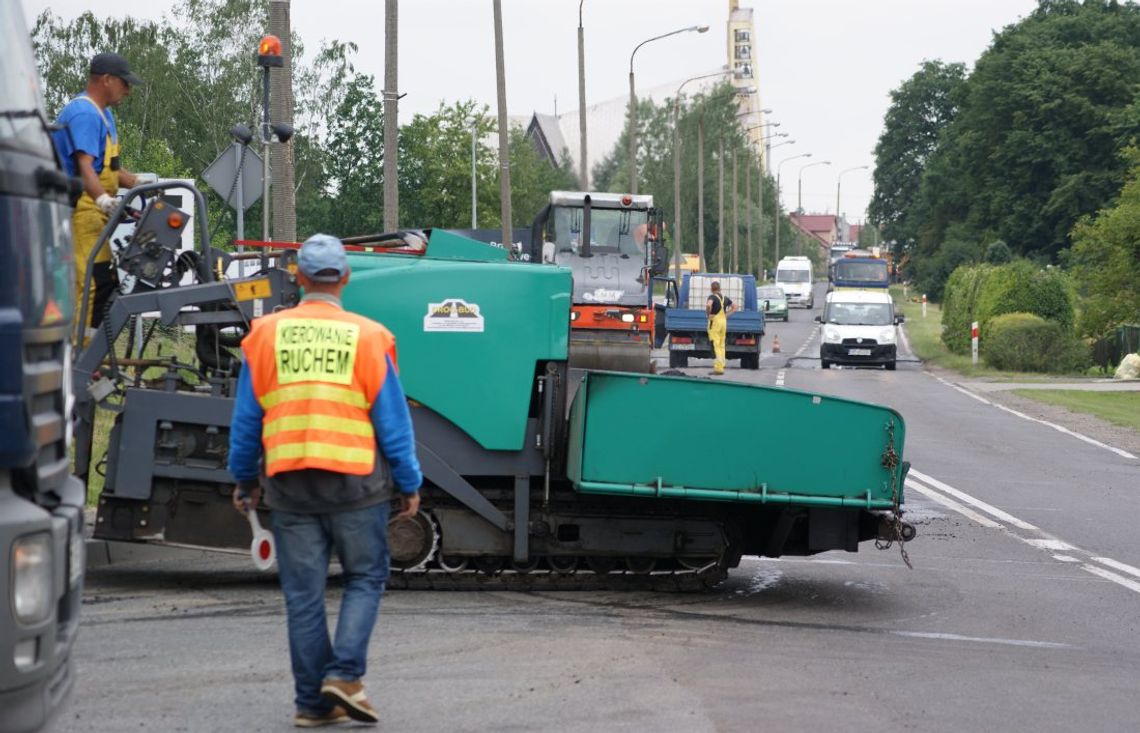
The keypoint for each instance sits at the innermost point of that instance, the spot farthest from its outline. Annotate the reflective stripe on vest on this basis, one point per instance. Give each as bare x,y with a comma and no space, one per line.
316,370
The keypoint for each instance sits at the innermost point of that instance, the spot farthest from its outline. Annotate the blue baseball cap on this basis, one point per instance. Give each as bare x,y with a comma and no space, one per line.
322,259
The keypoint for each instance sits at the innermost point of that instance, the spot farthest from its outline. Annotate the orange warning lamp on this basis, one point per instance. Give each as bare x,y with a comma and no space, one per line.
175,220
269,52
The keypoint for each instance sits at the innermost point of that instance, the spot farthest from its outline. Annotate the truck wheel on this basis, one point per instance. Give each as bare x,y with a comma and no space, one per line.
678,360
750,361
824,364
890,366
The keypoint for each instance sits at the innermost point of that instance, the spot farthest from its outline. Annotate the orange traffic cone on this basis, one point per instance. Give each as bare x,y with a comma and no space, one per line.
776,344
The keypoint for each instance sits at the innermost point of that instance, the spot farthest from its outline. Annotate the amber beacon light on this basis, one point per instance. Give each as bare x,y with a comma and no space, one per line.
269,52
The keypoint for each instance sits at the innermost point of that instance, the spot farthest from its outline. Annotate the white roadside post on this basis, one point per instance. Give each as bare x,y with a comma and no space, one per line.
973,341
924,305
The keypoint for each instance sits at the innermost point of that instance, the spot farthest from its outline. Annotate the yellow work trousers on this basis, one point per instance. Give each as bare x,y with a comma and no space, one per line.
718,326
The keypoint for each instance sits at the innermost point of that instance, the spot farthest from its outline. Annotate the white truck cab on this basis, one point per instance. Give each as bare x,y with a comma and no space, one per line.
795,276
859,328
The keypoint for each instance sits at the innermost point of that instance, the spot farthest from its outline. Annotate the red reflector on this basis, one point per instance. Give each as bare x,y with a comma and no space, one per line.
263,549
745,342
174,220
626,200
681,339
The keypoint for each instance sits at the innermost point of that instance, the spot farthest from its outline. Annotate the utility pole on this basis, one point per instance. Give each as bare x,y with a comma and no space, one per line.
284,208
760,220
735,220
583,172
720,220
747,216
504,147
391,119
701,193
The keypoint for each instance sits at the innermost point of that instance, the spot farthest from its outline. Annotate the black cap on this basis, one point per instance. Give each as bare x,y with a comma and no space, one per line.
115,65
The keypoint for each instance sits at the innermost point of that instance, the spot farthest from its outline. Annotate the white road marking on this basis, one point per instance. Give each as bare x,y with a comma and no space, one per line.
951,504
964,391
1030,418
993,511
983,639
1048,544
906,342
1118,566
780,377
1108,575
1041,542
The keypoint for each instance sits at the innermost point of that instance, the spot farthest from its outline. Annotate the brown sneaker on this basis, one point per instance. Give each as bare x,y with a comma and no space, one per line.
350,695
312,720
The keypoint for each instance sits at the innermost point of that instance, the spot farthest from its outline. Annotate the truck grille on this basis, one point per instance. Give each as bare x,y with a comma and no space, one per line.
45,357
860,342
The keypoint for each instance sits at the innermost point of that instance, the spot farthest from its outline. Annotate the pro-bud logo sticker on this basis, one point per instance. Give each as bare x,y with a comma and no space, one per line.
455,315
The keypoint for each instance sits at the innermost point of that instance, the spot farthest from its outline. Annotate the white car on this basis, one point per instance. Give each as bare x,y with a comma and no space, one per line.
859,327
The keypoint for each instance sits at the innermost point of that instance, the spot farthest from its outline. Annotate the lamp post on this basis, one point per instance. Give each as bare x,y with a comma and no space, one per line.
776,255
582,172
633,101
474,199
677,174
839,182
800,183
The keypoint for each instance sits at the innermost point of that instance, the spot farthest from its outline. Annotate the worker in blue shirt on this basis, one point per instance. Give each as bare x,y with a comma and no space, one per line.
88,144
321,423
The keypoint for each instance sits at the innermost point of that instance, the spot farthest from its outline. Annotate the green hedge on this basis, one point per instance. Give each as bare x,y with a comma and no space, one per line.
959,303
1023,287
1026,342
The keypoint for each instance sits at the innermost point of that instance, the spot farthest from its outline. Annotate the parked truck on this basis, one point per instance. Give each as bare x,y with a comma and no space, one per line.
41,503
686,322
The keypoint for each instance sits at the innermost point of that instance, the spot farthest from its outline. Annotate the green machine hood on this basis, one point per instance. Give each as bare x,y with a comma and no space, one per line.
470,327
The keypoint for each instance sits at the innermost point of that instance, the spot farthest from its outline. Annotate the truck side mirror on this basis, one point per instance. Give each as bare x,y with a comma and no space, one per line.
659,264
818,319
900,318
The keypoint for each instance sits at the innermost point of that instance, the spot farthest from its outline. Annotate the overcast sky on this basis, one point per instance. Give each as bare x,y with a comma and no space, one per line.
826,67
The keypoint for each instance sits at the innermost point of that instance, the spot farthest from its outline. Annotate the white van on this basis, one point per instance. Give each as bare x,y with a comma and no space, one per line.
795,276
859,327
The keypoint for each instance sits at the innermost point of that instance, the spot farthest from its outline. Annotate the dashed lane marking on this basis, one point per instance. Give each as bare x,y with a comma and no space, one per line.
780,377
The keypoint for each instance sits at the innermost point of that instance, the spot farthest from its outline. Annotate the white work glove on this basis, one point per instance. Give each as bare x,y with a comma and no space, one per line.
106,203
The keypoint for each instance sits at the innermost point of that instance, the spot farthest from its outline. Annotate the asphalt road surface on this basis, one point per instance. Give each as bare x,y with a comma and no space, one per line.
1021,612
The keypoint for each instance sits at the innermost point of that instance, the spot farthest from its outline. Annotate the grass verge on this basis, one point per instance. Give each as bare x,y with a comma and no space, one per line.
1119,408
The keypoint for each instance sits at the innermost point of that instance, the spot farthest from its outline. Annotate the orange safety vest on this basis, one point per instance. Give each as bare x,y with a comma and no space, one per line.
316,372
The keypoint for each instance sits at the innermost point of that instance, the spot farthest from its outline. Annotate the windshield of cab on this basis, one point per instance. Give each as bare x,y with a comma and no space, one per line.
792,276
612,231
859,314
20,99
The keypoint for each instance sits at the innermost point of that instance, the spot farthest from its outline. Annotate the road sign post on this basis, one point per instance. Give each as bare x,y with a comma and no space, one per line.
974,342
924,305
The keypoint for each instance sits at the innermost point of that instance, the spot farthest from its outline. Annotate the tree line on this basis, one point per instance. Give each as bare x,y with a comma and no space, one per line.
1028,155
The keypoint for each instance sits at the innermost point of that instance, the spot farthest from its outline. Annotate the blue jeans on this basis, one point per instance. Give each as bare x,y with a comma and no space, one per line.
304,545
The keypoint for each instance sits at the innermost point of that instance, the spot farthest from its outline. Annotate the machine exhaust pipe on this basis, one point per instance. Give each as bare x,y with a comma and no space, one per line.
895,530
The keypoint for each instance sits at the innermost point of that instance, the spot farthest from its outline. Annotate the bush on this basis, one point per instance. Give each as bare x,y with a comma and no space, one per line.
1026,342
959,303
932,272
998,253
1023,287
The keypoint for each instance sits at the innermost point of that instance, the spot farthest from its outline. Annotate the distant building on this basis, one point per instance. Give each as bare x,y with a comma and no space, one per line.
553,134
822,228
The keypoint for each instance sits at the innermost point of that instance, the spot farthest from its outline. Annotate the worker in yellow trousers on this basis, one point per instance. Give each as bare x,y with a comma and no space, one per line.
718,308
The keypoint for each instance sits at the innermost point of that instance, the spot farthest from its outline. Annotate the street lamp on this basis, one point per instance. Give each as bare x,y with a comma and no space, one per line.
776,257
582,173
839,182
774,134
633,101
800,183
474,199
677,175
